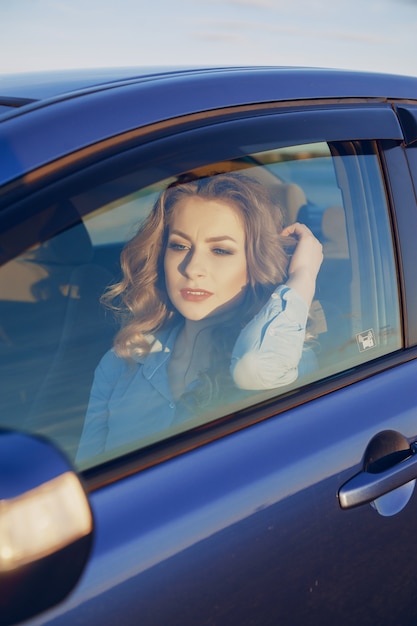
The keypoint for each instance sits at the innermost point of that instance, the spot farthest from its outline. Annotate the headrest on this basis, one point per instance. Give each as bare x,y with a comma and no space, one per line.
71,247
290,197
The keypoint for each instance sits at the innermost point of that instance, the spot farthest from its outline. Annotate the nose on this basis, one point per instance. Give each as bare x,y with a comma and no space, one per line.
193,265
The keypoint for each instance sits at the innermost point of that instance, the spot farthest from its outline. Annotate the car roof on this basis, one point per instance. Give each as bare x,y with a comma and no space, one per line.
35,86
21,89
47,84
49,115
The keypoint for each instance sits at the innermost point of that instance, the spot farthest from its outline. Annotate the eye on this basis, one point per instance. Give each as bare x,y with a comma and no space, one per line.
222,251
175,245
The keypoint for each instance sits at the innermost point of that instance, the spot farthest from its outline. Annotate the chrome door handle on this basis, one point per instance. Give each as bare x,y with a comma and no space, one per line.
366,487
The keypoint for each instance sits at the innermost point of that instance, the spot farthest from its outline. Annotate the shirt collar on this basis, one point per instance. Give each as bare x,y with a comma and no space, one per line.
161,347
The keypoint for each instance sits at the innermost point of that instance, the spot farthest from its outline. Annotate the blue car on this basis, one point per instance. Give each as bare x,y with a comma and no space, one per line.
275,489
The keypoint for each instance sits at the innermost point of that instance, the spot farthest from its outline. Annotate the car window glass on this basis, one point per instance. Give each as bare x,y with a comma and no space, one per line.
55,330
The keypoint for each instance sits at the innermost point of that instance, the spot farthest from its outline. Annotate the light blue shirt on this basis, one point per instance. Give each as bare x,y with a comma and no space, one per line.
130,401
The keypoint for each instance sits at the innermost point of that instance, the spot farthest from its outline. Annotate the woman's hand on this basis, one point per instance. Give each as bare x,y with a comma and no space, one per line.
305,262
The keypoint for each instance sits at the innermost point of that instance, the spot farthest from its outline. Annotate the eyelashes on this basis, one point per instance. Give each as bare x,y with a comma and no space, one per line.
182,247
222,251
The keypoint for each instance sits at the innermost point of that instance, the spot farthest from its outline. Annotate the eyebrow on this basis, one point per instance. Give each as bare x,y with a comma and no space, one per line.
208,240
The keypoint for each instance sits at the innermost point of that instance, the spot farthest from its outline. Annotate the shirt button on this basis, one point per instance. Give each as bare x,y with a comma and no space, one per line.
275,296
171,405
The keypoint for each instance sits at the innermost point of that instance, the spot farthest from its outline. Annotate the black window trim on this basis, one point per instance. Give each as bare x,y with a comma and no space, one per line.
362,118
402,200
296,127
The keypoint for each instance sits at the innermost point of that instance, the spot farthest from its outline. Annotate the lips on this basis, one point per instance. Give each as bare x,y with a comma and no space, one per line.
195,295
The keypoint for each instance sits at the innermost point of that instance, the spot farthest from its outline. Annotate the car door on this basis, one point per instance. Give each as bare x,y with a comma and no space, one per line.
246,514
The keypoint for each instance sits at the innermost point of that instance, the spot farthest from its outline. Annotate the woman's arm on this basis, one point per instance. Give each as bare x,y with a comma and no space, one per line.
268,350
305,262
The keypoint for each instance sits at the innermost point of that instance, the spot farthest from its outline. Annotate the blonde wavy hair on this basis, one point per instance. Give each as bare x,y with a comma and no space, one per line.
141,296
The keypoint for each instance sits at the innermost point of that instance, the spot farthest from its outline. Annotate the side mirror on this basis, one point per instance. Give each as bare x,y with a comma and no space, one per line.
46,527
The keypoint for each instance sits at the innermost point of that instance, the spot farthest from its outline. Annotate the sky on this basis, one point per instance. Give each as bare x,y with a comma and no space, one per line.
376,35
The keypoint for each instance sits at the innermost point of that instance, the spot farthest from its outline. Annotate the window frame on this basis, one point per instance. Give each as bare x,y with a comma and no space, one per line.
303,125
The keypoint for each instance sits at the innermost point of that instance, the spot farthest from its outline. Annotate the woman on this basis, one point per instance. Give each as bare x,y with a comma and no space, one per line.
212,306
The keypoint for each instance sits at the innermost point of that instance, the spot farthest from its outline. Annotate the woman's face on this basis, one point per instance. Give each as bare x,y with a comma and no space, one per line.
205,259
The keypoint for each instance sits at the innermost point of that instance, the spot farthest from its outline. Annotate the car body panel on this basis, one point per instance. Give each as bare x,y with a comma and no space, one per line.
175,546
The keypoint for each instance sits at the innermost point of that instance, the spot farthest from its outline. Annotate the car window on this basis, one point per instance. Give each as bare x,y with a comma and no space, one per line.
65,350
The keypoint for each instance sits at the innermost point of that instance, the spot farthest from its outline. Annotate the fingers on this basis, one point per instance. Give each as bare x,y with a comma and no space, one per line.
305,261
296,229
305,237
308,252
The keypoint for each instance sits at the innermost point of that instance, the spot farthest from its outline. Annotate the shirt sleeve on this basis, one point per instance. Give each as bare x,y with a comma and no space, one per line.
96,427
268,350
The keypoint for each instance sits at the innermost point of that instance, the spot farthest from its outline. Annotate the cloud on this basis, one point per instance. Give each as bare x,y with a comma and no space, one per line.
258,4
235,29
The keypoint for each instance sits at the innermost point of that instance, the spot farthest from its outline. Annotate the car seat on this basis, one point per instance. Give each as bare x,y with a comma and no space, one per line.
53,332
